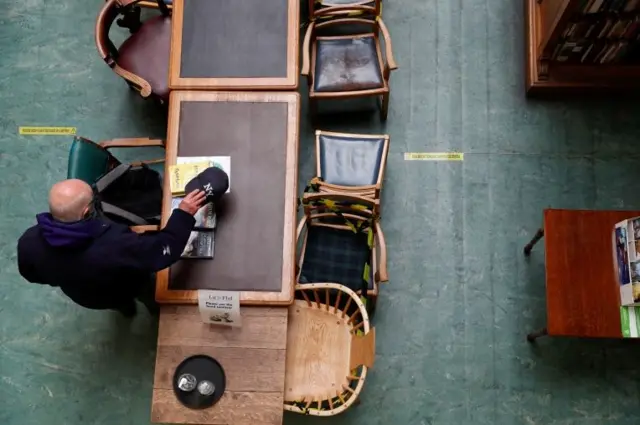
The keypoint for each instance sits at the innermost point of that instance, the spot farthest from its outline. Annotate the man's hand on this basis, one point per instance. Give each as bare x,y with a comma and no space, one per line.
192,202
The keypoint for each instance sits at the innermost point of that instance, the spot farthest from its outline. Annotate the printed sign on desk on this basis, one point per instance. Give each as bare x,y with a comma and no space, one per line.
220,307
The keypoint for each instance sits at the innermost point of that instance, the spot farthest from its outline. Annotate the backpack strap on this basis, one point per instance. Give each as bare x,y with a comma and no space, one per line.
103,182
112,209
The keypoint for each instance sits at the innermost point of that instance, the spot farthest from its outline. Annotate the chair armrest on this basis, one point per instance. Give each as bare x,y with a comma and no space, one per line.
382,275
388,50
142,229
147,162
306,50
131,143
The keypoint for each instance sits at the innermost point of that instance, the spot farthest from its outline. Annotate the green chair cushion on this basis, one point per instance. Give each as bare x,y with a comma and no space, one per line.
88,161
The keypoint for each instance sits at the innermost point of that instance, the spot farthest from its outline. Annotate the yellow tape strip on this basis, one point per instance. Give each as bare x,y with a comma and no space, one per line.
433,156
46,131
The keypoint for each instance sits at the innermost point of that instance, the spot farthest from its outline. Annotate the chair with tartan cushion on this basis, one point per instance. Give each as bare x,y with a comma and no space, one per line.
88,160
143,58
348,66
353,164
340,241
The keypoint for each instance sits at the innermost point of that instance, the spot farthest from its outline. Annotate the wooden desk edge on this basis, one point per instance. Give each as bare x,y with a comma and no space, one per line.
551,331
289,82
285,296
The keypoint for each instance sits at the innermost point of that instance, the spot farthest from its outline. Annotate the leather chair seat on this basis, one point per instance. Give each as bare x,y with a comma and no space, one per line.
350,161
146,54
347,64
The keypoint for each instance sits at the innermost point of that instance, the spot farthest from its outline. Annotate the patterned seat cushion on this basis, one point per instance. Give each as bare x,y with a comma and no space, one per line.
335,256
347,64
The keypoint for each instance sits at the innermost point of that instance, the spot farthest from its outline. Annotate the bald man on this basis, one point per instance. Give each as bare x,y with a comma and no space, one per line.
97,263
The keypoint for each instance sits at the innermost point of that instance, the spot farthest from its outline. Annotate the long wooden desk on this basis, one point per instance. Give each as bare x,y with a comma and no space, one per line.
255,236
582,292
234,45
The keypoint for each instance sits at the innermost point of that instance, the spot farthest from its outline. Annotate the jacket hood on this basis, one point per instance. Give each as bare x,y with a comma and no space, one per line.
75,234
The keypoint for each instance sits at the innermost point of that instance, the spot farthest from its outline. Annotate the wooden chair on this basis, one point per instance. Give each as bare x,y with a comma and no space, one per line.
348,66
352,164
340,240
143,58
88,160
370,8
330,348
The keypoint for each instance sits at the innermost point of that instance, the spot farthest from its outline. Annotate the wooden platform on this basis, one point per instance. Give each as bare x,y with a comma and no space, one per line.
253,357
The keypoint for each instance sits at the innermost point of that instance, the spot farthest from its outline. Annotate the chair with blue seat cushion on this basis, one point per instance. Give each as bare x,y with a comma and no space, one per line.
351,163
340,241
348,66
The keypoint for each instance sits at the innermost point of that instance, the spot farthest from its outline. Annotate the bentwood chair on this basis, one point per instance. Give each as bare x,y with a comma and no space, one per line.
370,8
88,160
348,66
143,59
353,164
330,348
340,241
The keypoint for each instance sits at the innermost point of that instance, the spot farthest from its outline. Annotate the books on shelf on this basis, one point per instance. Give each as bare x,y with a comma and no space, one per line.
205,217
604,32
201,244
626,246
223,162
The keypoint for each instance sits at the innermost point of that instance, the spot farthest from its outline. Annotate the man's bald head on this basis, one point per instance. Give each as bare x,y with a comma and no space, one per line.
69,200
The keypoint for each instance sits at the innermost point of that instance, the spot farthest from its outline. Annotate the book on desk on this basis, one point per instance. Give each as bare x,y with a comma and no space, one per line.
201,243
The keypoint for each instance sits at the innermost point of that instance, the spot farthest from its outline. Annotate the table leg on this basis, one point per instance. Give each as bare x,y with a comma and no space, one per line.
537,334
539,234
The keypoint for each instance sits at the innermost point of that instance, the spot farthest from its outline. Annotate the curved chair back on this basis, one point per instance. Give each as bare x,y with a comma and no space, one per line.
88,161
326,370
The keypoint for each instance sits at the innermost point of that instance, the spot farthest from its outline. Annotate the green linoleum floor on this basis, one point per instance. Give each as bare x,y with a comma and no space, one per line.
451,323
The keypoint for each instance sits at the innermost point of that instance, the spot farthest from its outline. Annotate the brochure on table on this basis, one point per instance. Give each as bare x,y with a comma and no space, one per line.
626,246
220,307
201,244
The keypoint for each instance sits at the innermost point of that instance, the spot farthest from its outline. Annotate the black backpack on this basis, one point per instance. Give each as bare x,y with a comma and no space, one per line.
130,195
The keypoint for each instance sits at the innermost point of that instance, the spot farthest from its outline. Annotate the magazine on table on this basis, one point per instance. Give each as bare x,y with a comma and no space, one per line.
222,162
205,217
201,244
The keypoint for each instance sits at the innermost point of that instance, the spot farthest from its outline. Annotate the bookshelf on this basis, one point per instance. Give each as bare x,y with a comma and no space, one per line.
581,46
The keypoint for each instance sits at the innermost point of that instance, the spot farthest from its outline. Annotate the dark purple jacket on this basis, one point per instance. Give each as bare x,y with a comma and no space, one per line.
99,264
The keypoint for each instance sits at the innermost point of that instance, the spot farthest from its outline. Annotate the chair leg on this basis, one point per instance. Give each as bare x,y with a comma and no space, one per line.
384,107
539,234
537,334
131,20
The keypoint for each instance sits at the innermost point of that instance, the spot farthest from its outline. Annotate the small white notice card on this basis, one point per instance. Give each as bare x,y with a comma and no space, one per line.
220,307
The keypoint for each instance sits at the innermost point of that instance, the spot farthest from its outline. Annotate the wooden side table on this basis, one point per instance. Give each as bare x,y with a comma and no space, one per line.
582,290
253,358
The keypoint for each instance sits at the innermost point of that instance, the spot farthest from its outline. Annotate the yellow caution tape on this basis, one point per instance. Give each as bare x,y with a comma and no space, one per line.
433,156
47,131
